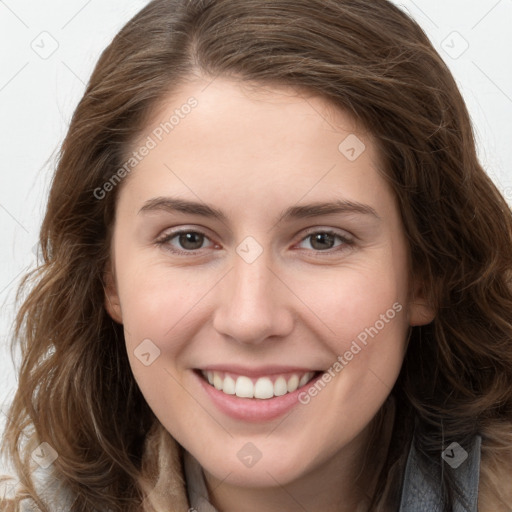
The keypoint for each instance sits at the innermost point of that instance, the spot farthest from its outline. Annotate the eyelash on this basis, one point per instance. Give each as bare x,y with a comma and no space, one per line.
165,239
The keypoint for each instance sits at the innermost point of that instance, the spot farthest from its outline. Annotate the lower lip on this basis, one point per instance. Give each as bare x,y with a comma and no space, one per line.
253,409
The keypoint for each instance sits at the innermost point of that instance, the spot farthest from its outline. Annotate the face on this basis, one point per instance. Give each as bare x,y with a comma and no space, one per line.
259,268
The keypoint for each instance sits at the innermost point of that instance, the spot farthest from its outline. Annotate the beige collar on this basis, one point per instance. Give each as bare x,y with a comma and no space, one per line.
196,485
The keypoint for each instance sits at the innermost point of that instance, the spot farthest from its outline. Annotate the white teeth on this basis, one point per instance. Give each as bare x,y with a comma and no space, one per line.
293,383
244,387
229,386
262,389
304,379
217,381
280,386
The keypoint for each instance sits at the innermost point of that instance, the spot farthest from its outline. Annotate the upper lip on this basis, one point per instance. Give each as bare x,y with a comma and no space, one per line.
259,371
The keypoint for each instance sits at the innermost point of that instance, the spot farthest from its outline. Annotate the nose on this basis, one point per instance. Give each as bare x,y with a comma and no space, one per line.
253,303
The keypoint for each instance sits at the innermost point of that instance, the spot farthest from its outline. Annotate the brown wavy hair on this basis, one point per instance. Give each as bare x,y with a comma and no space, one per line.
76,390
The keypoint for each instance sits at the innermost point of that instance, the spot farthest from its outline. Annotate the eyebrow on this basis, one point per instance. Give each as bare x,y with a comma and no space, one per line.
171,204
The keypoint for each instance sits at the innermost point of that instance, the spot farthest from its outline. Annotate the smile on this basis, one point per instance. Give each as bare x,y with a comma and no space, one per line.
261,388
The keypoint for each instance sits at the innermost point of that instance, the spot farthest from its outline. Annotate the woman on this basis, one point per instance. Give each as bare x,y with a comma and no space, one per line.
272,277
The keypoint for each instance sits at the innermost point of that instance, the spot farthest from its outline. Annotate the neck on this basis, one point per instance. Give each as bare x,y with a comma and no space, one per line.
343,483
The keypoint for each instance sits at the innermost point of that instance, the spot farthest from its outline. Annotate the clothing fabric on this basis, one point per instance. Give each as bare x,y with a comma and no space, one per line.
51,491
420,491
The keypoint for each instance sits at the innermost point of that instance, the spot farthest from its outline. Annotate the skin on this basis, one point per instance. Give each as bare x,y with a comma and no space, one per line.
252,153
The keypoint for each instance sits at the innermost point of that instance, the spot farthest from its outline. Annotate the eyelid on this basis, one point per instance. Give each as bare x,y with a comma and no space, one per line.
347,238
347,242
166,237
334,231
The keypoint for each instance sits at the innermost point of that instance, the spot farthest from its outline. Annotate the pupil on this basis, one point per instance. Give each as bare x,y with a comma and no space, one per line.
323,238
191,241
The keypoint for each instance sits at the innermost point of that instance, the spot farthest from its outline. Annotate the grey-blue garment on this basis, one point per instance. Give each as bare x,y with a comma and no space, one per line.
418,494
422,494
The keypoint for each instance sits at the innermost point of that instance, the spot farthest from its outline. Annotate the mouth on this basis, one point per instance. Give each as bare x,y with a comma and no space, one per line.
263,387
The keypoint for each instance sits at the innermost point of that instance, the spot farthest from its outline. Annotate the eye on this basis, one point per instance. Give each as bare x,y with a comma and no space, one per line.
184,241
325,240
189,241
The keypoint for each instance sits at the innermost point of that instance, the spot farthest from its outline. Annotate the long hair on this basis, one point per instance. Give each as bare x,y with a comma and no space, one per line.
76,391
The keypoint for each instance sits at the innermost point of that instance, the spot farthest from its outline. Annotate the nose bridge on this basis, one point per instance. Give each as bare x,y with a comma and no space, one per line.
251,306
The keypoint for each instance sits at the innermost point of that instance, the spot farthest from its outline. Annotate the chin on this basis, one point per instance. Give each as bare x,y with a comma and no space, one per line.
268,471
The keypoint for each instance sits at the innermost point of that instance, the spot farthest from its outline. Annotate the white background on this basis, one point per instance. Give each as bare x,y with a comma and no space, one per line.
38,93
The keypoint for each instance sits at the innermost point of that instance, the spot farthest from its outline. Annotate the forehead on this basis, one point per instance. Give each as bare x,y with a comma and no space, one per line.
250,106
222,137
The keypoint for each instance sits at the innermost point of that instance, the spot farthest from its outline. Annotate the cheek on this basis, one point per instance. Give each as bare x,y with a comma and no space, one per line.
154,298
365,312
158,308
349,300
364,324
